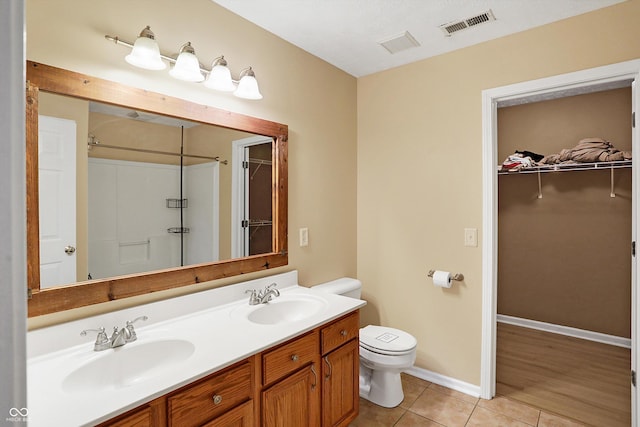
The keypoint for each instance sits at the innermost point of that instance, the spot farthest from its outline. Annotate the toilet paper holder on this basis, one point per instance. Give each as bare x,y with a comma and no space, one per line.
458,277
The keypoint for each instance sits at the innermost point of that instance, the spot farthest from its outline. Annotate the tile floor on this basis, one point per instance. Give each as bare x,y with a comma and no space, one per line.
429,405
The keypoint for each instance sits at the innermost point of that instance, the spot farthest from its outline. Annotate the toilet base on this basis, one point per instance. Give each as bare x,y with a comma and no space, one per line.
384,388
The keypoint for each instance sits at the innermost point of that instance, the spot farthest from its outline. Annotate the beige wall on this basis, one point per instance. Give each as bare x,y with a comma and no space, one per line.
420,175
565,258
317,101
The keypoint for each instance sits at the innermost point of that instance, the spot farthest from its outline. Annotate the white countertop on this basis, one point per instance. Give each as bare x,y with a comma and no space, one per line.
213,321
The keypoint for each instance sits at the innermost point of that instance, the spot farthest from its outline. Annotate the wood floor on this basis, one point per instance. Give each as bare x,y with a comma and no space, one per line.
580,379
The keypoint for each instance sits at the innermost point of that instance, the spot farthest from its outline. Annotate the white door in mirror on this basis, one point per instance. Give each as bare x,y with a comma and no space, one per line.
57,200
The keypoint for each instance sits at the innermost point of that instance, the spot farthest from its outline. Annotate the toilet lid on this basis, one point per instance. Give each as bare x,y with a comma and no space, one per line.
384,339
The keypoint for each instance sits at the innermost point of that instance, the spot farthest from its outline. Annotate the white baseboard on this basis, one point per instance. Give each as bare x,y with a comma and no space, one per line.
452,383
566,330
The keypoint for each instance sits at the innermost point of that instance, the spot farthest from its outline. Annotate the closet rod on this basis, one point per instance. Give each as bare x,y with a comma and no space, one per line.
94,143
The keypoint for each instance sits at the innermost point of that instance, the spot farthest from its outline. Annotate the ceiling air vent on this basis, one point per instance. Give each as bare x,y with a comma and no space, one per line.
453,27
400,42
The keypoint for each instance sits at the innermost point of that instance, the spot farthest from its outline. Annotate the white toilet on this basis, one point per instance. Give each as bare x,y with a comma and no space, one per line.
384,352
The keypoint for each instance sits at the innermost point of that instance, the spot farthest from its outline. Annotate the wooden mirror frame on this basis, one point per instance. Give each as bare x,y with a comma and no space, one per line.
63,82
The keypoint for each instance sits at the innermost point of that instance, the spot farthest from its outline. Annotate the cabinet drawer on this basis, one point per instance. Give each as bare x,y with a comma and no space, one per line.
211,397
340,331
242,416
289,357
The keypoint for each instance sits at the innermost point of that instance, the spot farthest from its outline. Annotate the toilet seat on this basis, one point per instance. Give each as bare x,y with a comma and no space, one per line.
385,340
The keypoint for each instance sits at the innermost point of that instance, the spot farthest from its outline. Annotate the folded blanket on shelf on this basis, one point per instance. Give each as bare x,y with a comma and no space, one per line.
516,162
588,150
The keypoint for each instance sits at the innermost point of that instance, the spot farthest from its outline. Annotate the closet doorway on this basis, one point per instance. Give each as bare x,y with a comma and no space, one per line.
252,206
560,189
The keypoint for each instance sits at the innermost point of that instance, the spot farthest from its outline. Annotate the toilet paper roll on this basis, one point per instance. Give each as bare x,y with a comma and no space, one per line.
442,279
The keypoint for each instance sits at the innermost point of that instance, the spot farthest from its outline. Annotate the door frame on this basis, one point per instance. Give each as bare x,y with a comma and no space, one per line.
239,192
600,78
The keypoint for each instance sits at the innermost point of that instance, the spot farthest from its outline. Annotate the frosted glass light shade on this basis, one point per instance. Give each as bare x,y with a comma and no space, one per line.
145,52
187,67
248,86
220,79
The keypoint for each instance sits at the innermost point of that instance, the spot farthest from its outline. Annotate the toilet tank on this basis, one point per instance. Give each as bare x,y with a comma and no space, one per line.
345,286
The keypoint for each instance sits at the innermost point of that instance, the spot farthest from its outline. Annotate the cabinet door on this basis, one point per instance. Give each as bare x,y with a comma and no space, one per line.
340,388
294,401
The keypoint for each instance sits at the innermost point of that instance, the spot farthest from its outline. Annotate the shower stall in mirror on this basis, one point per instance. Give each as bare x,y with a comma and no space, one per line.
152,192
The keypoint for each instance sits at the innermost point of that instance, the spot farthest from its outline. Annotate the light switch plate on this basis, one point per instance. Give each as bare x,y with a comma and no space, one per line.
471,237
304,236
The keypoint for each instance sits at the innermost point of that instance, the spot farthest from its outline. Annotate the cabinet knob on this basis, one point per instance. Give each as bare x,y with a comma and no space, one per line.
343,332
217,399
295,357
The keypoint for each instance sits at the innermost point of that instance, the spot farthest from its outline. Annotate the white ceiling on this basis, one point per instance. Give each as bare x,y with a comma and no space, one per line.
347,33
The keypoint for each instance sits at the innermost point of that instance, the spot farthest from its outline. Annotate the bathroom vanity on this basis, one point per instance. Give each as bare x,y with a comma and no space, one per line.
206,359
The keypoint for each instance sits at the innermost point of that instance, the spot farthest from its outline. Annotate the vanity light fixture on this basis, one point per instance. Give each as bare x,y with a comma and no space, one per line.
187,67
248,85
146,54
220,76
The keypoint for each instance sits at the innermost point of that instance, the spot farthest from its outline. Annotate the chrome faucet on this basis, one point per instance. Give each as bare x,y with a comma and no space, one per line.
268,293
263,296
118,338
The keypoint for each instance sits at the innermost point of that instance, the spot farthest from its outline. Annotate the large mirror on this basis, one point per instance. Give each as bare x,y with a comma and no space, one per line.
131,192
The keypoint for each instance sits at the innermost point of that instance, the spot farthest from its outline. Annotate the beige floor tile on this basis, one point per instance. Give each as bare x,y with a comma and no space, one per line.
442,408
412,389
372,415
511,408
454,393
411,378
409,419
550,420
482,417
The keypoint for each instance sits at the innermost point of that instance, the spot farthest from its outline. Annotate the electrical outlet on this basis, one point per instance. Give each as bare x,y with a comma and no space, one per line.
471,237
304,237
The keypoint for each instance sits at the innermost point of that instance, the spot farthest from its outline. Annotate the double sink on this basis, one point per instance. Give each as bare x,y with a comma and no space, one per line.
186,338
146,359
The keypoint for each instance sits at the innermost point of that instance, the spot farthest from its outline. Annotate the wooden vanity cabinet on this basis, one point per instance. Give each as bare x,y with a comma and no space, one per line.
310,381
340,371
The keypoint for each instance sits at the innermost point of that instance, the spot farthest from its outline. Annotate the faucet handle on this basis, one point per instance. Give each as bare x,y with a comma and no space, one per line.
254,299
102,341
131,332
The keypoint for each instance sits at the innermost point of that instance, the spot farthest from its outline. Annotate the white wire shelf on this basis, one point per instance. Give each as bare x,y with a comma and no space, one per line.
565,167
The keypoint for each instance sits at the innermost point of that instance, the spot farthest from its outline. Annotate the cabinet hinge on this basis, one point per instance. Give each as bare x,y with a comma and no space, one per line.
633,119
29,293
633,248
245,165
633,378
245,223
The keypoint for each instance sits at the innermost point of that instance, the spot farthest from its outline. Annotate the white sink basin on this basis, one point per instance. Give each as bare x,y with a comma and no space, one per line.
282,309
123,366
